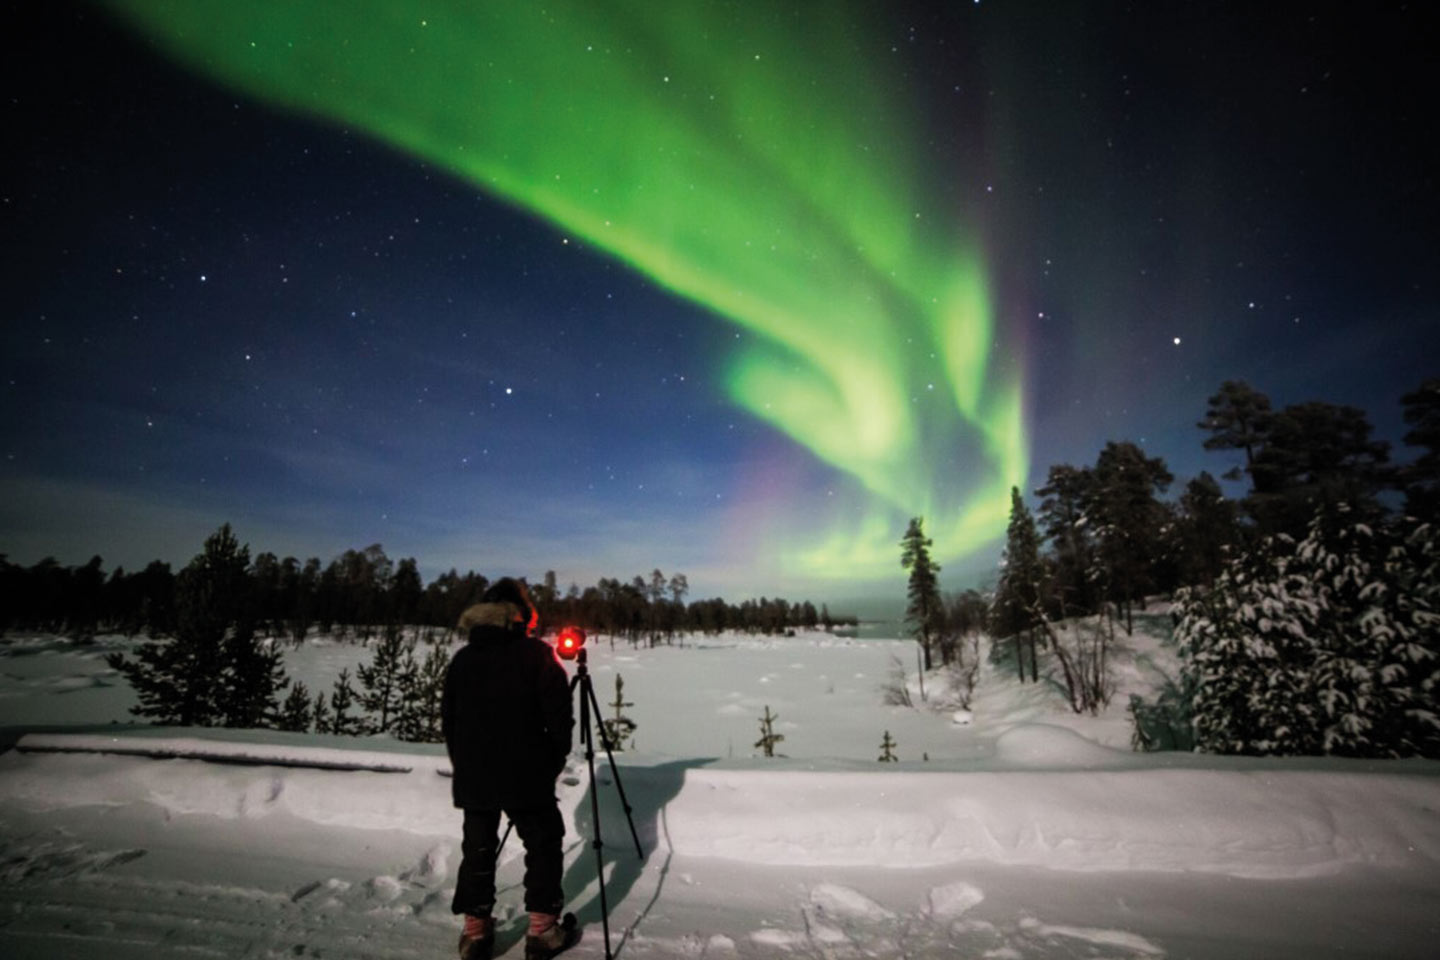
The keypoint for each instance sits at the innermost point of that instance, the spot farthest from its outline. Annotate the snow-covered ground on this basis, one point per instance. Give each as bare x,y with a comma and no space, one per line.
1028,832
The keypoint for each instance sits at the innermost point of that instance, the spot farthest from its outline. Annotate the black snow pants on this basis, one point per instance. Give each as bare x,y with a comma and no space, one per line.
541,830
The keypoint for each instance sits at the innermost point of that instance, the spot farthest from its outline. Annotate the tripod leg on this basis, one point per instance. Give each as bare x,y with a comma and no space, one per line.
587,737
588,692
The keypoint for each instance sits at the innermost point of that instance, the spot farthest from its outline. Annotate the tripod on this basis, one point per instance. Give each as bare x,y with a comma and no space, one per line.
588,729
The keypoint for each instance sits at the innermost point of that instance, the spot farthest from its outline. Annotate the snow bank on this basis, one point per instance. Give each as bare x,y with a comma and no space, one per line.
227,751
1237,823
1048,798
351,788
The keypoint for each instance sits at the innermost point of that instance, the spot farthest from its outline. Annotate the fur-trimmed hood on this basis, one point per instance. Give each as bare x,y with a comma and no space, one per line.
495,614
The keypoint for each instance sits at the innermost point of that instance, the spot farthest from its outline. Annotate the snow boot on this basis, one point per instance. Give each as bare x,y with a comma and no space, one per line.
478,942
477,948
557,939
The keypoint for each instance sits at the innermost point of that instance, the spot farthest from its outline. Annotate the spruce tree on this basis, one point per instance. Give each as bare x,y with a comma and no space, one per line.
1326,646
768,736
887,749
619,728
924,608
1016,607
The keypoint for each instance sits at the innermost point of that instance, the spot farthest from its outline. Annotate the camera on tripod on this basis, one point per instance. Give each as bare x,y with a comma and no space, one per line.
569,642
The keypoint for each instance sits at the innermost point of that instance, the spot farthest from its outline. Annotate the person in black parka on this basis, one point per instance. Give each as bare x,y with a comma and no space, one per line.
508,720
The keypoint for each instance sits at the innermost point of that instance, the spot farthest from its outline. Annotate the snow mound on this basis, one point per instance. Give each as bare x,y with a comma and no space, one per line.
953,899
1045,746
843,901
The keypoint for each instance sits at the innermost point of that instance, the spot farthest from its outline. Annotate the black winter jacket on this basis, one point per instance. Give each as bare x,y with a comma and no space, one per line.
507,719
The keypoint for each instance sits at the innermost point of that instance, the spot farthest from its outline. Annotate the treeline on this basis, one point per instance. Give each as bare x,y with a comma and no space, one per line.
361,591
217,631
1309,611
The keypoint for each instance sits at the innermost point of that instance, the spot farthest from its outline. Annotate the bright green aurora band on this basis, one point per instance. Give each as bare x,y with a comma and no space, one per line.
751,160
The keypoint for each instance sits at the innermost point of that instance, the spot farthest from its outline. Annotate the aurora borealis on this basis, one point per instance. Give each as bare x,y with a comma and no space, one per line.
732,289
718,155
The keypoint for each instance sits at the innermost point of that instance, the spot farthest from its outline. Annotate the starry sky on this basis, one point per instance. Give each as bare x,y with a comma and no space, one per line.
728,289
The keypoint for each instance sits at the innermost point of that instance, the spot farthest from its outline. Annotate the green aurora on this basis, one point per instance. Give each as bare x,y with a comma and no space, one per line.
754,162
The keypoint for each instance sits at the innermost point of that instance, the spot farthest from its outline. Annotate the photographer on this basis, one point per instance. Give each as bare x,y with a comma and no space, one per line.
507,720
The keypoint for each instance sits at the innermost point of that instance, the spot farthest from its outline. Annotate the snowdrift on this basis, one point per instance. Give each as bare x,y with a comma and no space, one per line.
1257,825
1041,802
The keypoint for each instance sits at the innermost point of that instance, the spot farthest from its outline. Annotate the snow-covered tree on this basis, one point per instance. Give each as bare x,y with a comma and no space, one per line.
1326,646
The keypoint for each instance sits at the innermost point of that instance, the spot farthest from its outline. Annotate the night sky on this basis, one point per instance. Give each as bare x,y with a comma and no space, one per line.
728,289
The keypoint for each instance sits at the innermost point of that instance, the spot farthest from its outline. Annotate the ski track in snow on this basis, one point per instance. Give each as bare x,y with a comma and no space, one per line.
70,900
837,922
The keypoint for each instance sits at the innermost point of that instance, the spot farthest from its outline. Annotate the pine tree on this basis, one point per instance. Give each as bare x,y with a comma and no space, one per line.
1129,520
342,700
887,749
1239,418
383,679
1421,479
619,728
421,688
320,714
1208,530
252,682
768,736
1317,456
1063,518
210,672
924,608
296,713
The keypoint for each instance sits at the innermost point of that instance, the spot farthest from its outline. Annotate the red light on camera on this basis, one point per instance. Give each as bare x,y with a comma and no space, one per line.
569,643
